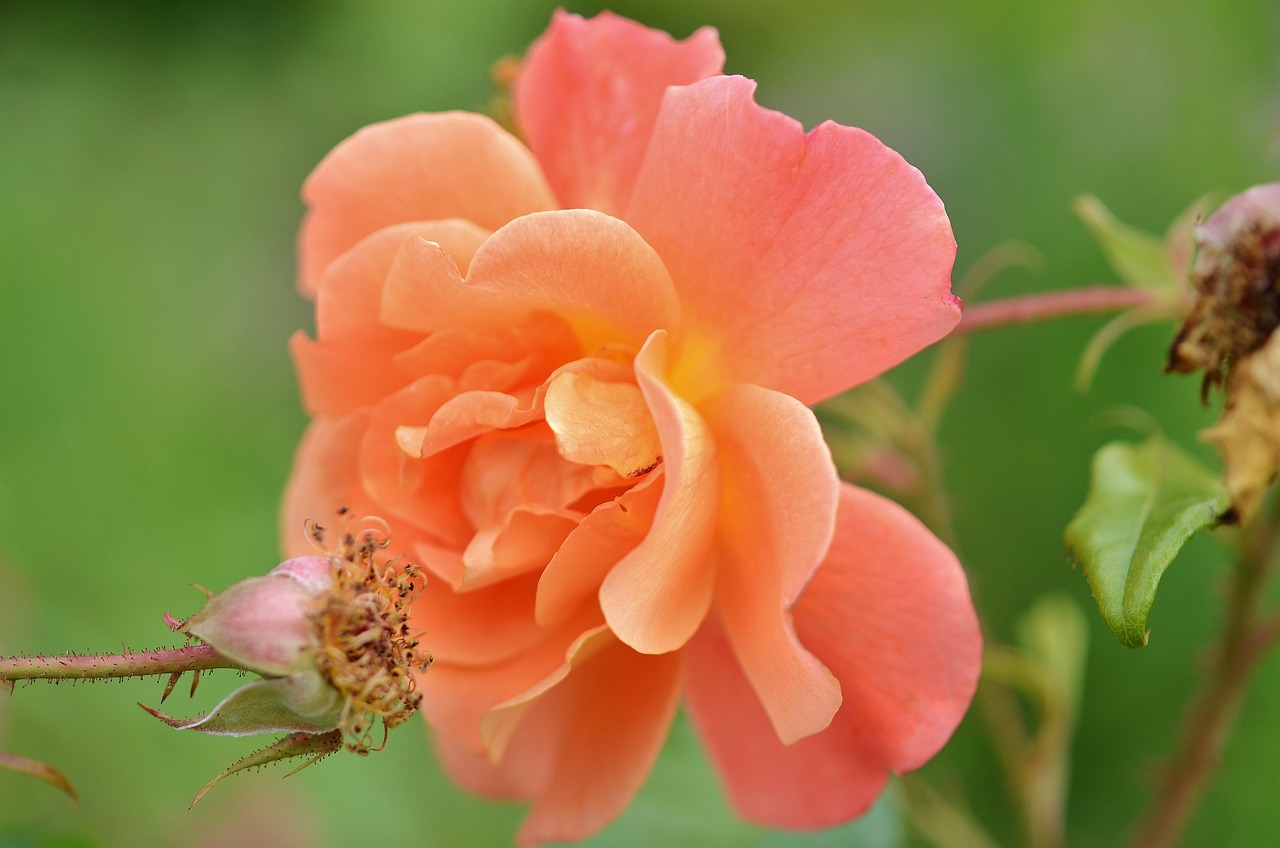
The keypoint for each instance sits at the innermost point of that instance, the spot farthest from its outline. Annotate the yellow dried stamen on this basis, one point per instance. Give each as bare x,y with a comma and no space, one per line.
367,648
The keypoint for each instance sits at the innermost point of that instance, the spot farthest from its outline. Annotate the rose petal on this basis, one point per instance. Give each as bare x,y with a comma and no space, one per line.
584,745
777,517
819,781
657,595
605,536
844,272
350,364
349,301
325,478
456,698
479,627
544,339
418,168
587,96
475,413
525,541
602,423
593,271
420,493
513,469
889,613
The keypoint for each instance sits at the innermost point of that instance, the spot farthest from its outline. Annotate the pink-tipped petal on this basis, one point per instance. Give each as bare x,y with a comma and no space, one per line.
842,273
418,168
889,613
819,781
588,94
657,595
776,520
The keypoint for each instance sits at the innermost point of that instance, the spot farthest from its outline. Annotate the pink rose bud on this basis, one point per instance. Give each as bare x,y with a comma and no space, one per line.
329,636
264,623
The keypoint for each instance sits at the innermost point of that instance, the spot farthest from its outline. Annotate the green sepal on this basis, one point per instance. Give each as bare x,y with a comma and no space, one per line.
302,703
1145,501
315,746
1139,259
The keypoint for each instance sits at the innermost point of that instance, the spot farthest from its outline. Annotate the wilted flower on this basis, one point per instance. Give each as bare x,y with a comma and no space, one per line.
574,376
330,637
1230,333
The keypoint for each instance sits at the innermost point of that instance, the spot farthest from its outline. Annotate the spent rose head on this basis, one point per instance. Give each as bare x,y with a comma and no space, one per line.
572,365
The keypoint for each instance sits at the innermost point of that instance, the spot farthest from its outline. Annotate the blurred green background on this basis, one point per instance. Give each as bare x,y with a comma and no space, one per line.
150,159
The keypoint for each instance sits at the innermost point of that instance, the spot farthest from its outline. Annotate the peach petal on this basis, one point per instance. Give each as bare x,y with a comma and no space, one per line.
592,270
584,746
545,340
325,477
480,627
475,413
422,167
333,382
500,723
602,423
340,371
657,595
607,534
842,274
777,517
889,613
348,365
819,781
456,698
514,780
462,418
526,541
422,493
511,469
588,94
349,300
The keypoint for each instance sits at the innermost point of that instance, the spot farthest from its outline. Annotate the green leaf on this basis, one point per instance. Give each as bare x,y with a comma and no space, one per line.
1145,501
1140,259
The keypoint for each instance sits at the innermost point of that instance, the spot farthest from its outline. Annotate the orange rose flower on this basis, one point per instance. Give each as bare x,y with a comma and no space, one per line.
574,371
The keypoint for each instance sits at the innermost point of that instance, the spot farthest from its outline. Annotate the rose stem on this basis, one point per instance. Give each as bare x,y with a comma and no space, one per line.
1055,304
1212,715
99,667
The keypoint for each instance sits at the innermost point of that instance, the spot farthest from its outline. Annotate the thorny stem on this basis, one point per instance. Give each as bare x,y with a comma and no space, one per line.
105,666
1249,634
1055,304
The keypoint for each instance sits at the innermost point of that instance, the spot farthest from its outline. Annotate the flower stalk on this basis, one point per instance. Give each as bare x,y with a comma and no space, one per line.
159,661
1027,309
1248,636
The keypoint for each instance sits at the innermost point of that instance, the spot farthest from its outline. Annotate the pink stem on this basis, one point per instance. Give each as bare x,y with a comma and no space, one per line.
1055,304
98,667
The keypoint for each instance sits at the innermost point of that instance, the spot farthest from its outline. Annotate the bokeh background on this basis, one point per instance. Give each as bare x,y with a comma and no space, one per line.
150,160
